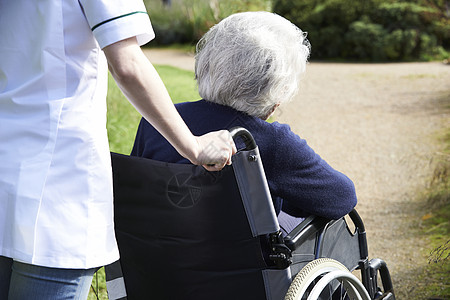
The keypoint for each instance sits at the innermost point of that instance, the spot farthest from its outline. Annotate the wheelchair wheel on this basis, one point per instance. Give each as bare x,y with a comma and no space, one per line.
326,278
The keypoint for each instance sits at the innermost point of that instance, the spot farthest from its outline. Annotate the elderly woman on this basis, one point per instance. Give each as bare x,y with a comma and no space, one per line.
246,66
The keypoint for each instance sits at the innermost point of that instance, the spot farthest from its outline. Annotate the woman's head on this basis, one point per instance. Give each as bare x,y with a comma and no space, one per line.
251,61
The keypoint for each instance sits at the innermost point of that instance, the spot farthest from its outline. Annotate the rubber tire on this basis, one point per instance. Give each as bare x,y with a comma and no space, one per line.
354,288
312,271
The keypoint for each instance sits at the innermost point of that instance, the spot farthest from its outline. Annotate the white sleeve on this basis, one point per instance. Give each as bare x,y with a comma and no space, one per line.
115,20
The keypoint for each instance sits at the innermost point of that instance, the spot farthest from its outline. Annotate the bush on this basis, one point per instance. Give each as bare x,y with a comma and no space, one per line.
185,21
326,21
409,30
365,40
372,29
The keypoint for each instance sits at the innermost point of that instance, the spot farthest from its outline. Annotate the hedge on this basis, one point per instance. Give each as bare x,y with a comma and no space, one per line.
372,30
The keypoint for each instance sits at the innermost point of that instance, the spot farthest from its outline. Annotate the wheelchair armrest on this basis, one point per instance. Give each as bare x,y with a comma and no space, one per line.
313,224
304,230
319,237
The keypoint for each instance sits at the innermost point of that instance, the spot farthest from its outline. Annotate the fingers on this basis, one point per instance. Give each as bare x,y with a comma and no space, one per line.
212,168
217,148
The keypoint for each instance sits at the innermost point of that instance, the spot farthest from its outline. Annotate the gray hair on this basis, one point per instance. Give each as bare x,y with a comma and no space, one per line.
251,61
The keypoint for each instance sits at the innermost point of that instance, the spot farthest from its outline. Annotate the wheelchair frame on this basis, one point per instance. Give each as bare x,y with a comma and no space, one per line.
309,237
308,240
318,251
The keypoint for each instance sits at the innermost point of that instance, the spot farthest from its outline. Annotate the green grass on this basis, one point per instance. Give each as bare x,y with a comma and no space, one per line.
98,287
435,280
123,119
180,83
122,124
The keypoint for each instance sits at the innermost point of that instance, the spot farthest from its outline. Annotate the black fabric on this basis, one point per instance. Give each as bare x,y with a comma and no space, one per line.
113,271
183,233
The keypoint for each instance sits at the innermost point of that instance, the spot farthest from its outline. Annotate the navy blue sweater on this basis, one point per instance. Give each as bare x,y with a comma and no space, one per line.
300,181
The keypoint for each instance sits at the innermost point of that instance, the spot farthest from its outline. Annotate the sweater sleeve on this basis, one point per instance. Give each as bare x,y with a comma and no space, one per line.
303,180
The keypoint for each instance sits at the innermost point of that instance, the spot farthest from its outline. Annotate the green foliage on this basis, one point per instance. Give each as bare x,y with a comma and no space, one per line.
374,30
435,282
365,40
371,30
98,286
185,21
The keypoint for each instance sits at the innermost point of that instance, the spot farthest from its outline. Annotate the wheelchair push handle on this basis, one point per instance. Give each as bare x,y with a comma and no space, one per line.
245,135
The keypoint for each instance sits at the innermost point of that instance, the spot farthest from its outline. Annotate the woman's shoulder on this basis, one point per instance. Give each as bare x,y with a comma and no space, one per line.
277,142
275,131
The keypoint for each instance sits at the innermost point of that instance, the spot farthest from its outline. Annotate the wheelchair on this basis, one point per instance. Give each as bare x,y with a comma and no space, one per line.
188,234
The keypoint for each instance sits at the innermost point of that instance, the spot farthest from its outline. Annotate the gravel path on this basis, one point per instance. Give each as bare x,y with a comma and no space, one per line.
378,124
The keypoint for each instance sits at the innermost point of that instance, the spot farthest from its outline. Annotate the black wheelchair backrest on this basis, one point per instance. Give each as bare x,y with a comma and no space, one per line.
185,233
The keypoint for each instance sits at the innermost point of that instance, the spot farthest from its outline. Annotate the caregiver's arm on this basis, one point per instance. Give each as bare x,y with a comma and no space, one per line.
141,84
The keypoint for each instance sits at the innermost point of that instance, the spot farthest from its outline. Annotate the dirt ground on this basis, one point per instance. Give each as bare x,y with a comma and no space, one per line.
377,123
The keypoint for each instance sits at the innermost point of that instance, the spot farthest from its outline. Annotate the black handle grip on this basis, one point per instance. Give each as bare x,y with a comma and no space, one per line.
245,135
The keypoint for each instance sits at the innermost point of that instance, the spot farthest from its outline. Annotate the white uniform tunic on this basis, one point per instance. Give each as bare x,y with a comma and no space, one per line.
55,171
